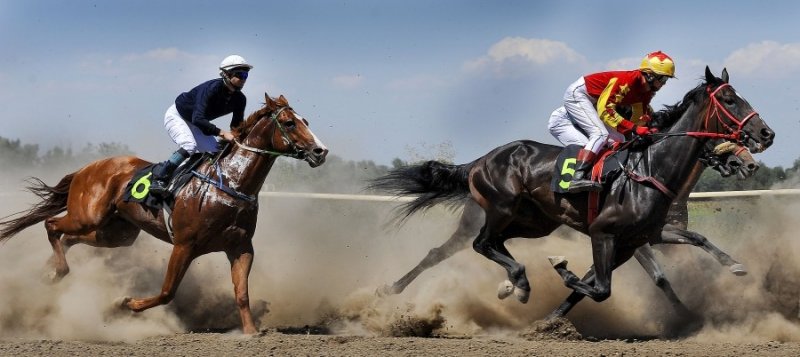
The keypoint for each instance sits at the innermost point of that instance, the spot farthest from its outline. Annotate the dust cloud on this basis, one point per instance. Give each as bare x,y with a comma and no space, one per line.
319,262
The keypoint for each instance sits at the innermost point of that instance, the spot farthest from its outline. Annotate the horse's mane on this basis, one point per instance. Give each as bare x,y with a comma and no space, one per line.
241,130
666,117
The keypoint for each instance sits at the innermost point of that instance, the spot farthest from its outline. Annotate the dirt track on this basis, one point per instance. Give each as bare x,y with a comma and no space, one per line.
327,266
277,344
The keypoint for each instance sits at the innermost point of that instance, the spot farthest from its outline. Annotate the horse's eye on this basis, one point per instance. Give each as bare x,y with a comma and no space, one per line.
729,101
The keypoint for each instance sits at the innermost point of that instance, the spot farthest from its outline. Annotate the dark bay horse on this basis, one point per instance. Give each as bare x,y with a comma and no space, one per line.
727,158
214,214
633,206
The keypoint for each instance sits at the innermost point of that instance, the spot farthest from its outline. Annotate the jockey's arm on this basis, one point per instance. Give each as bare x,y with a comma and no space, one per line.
606,105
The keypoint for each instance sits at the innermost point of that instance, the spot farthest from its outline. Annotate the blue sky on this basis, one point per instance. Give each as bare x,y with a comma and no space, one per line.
376,78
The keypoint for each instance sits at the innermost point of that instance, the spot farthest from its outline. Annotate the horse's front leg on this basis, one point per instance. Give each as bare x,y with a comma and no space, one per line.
646,258
605,258
490,244
672,234
182,256
241,259
575,297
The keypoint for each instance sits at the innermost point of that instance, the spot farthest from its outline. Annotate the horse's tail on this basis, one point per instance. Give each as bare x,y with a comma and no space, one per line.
432,183
54,201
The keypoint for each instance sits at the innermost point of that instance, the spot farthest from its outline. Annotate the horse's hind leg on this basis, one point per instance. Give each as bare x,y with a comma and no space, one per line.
59,259
468,228
675,235
114,233
182,256
490,244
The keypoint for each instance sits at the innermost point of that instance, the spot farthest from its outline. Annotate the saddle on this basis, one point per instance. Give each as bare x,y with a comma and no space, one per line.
606,168
138,189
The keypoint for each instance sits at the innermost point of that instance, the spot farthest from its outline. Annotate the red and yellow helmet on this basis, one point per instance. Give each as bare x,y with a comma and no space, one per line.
659,63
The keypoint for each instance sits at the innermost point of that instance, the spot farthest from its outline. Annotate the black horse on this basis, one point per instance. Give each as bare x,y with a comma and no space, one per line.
727,158
514,180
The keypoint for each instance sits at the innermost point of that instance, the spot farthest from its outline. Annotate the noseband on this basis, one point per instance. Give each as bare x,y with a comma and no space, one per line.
717,110
295,152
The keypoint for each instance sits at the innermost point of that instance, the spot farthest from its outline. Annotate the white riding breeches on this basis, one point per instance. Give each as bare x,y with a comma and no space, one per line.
187,135
577,122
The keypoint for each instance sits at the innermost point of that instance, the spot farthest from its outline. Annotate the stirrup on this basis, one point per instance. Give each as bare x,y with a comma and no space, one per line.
584,186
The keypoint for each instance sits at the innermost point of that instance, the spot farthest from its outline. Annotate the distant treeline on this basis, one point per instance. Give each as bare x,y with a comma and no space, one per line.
337,175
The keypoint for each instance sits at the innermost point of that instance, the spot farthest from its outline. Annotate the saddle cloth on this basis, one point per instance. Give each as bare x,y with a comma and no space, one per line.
138,189
609,165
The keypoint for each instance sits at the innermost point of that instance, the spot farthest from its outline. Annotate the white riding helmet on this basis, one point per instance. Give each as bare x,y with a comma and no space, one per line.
234,61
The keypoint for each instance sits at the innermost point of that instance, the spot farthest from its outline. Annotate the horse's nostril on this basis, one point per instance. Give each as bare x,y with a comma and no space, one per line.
319,151
767,134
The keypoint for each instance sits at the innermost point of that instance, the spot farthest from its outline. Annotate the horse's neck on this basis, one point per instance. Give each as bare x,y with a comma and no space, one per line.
246,171
675,159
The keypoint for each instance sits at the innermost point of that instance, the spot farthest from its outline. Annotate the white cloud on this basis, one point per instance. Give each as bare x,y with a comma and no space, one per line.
623,64
767,58
517,55
350,81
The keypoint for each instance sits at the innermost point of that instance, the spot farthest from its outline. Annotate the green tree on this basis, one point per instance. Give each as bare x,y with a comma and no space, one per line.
14,154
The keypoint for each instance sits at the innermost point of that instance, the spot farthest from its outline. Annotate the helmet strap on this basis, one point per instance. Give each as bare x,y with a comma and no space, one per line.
227,80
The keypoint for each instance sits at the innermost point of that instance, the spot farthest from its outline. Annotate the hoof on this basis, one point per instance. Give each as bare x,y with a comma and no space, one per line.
522,295
505,289
385,291
122,302
738,269
558,261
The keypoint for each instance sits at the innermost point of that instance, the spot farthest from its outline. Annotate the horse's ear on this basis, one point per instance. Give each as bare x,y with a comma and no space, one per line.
282,101
268,101
725,75
710,76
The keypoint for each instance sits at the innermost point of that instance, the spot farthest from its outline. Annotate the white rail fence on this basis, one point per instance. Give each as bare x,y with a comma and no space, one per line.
695,196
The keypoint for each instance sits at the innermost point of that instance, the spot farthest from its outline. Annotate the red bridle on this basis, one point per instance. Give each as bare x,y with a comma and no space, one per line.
717,110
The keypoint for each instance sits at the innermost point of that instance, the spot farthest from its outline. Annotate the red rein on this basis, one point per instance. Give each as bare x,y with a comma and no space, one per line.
717,111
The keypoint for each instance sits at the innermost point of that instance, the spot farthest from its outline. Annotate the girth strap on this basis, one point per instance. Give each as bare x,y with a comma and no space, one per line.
651,180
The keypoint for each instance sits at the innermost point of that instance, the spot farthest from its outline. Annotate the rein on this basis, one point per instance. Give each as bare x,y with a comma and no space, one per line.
295,152
219,184
717,111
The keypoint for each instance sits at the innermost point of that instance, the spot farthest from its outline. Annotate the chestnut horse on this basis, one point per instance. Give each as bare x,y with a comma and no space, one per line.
215,211
633,206
727,158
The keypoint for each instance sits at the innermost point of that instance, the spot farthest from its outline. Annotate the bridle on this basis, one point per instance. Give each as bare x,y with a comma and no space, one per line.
252,199
717,111
295,152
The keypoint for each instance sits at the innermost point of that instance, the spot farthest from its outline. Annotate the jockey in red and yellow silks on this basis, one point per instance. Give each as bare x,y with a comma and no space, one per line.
589,116
619,88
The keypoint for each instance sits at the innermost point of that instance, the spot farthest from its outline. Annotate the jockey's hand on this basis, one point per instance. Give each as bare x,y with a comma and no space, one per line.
645,119
226,135
644,131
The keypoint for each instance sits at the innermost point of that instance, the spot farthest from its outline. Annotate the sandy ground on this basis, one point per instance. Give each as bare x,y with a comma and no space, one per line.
318,264
309,345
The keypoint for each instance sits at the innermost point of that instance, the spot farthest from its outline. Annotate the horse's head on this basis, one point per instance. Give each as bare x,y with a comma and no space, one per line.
729,158
730,114
276,129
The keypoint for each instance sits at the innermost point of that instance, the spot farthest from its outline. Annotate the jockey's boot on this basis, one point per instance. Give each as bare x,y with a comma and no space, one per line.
582,179
163,171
